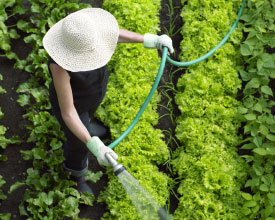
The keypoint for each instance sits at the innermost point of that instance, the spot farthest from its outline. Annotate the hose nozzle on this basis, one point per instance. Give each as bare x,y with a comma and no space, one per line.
118,168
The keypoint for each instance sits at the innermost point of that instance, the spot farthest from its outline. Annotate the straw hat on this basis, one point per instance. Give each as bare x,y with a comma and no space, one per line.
84,40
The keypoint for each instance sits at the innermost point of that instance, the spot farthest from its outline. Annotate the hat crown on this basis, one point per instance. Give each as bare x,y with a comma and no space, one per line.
79,32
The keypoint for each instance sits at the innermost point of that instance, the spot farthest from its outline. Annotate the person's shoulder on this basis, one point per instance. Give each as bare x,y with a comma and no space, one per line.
50,60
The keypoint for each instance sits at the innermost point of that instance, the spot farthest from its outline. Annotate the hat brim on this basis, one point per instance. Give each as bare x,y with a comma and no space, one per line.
74,61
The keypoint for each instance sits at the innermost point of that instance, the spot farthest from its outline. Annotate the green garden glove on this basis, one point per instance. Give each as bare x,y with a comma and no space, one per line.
155,41
98,148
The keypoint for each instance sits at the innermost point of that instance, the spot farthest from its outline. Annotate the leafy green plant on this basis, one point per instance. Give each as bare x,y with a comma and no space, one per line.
6,34
49,194
171,30
4,142
6,216
2,182
8,9
133,71
2,90
257,110
207,163
168,91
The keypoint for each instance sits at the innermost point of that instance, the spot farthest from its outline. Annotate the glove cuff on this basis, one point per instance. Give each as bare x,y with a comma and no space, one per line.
93,145
150,40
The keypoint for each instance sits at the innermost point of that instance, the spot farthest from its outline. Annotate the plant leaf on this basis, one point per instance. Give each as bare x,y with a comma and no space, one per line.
250,116
15,186
267,90
260,151
246,196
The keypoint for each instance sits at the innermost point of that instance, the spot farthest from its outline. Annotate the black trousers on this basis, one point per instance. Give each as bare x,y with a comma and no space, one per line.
75,151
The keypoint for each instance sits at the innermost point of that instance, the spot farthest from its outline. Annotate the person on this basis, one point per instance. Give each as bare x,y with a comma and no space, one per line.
79,47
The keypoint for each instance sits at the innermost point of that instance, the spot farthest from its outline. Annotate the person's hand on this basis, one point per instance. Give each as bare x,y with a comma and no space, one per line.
98,148
155,41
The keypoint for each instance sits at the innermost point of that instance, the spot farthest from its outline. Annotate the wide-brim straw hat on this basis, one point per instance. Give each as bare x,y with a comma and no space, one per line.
84,40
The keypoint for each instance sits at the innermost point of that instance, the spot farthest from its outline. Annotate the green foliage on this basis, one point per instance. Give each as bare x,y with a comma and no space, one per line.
49,193
133,71
93,177
2,182
9,8
256,110
2,90
4,142
6,216
210,170
55,204
132,15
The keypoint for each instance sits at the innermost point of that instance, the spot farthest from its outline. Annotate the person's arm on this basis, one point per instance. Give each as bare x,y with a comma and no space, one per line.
126,36
61,80
148,40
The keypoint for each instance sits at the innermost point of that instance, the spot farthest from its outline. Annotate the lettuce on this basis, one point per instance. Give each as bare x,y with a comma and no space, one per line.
207,163
133,71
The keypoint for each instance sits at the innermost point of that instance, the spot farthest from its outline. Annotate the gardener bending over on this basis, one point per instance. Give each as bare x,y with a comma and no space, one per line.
80,45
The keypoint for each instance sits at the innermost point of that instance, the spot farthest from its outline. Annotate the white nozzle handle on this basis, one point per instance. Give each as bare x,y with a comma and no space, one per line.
111,160
118,168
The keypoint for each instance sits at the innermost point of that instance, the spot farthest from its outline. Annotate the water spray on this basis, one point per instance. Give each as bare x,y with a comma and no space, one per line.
146,207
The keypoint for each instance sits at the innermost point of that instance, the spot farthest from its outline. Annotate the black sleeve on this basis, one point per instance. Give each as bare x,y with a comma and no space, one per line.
50,60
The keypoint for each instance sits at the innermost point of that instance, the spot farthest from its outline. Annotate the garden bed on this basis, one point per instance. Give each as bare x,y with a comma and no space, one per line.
204,147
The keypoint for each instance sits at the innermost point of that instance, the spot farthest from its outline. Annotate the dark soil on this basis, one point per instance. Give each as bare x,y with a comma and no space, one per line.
168,117
165,123
15,168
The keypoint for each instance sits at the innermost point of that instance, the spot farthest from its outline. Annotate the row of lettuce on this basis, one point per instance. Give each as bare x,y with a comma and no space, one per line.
258,108
133,70
212,173
208,164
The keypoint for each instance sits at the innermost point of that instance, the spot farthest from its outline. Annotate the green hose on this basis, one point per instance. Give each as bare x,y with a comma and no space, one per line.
151,93
160,72
204,57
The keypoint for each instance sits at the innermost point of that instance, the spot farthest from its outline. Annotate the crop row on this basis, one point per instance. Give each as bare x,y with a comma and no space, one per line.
49,193
6,34
211,171
3,144
133,70
257,110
